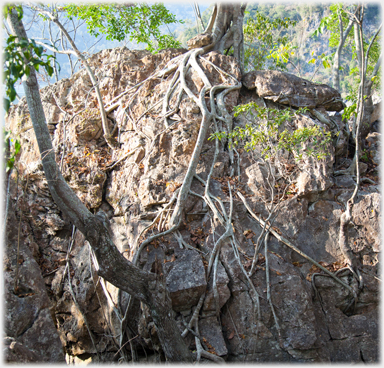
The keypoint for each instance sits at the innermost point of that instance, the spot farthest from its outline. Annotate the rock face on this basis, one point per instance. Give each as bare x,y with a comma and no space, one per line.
62,303
31,332
290,90
186,280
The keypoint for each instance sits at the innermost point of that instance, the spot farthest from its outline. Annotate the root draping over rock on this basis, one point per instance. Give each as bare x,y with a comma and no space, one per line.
175,202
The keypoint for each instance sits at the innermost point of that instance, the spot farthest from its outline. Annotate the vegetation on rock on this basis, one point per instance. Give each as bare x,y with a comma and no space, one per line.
156,130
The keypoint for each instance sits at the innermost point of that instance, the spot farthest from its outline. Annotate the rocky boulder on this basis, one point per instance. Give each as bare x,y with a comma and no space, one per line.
291,90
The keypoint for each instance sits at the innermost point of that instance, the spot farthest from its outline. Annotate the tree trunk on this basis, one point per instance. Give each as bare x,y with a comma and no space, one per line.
368,102
226,28
336,62
366,90
113,266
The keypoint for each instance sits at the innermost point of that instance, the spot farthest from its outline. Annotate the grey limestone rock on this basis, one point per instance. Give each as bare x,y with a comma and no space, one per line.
291,90
186,280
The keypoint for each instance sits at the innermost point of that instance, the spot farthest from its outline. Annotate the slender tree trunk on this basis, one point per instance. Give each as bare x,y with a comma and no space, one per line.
148,287
336,62
365,92
368,101
358,44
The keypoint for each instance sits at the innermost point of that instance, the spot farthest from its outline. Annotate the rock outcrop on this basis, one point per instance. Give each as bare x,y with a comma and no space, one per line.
291,90
31,334
62,294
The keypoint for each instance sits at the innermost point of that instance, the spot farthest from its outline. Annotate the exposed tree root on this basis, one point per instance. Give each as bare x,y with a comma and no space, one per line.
154,237
217,113
67,267
178,83
269,289
346,217
297,250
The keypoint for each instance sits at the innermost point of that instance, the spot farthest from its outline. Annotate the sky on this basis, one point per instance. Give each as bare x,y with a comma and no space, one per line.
37,29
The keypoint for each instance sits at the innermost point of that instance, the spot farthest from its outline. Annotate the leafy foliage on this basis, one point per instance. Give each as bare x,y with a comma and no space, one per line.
350,72
331,23
11,148
265,37
19,57
140,21
264,131
351,110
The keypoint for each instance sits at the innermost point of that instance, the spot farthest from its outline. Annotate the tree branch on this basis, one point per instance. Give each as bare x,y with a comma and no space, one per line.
148,287
107,133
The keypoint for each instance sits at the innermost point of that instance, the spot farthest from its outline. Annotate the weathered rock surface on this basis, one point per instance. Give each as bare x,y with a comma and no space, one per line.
28,324
374,147
291,90
136,181
185,279
200,40
14,352
376,114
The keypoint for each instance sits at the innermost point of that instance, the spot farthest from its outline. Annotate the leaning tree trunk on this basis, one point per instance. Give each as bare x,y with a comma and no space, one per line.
148,287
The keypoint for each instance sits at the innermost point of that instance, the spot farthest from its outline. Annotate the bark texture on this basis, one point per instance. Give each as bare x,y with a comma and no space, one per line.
113,267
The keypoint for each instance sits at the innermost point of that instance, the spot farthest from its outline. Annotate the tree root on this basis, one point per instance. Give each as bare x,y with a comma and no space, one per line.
153,237
114,103
185,62
258,244
297,250
216,295
78,306
189,60
117,312
269,289
353,302
130,153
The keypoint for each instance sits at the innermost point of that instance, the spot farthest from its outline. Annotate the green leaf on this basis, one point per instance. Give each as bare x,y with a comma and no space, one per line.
17,147
326,64
7,104
11,93
18,61
140,22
